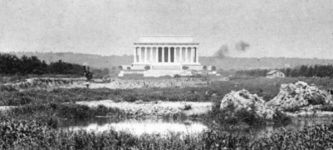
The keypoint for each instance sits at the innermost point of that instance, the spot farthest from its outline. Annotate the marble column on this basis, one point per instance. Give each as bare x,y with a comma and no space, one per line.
139,54
180,54
135,55
195,55
173,51
143,51
186,53
162,55
156,54
169,54
177,52
145,54
190,55
150,54
183,51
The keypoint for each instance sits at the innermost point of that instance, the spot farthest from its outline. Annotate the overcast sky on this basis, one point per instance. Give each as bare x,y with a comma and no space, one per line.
272,28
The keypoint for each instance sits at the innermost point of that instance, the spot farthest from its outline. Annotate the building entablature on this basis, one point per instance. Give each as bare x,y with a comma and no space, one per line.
166,43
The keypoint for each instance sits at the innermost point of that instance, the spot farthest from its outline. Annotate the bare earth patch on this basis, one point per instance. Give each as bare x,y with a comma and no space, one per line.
154,108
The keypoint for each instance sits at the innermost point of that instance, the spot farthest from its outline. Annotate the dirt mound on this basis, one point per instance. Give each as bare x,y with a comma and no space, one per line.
300,95
245,101
45,83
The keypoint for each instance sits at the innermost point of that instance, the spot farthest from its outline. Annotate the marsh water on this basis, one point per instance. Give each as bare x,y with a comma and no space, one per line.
182,126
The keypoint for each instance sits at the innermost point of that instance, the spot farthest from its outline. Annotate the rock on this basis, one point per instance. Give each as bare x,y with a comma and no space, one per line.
300,95
244,100
139,101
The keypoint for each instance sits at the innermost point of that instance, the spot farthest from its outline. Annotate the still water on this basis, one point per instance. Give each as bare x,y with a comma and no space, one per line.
145,126
185,126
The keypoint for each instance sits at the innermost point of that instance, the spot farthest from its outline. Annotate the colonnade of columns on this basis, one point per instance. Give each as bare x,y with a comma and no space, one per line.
169,54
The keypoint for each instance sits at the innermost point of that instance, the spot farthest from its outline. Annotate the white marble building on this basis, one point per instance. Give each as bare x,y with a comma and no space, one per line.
164,56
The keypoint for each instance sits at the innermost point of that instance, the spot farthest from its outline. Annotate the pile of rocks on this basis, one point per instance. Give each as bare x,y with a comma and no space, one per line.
294,98
245,101
300,95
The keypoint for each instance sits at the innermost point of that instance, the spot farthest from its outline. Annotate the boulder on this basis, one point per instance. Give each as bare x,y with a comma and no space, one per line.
298,95
244,100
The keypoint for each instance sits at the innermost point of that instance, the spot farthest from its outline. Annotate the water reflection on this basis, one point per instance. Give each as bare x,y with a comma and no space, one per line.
296,124
147,126
163,126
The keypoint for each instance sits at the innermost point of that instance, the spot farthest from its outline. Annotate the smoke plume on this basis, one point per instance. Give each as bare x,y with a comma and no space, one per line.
222,52
242,46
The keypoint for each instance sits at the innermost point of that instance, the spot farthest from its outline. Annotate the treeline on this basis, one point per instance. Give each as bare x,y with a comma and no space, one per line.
11,64
252,73
309,71
301,71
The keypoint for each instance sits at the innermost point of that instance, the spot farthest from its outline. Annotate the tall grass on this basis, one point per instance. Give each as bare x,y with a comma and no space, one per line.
53,114
34,135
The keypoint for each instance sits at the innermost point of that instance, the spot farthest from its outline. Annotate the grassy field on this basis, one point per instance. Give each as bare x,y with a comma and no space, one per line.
267,88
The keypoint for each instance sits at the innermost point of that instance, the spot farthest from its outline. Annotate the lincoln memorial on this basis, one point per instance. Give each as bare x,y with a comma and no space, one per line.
166,50
164,56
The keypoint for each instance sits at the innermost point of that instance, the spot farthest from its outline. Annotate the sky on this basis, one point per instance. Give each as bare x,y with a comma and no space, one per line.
271,28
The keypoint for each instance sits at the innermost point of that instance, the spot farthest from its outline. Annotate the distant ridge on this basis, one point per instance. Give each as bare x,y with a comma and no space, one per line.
227,63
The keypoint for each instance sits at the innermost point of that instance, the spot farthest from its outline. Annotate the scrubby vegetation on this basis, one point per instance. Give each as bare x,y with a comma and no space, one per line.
35,135
300,71
266,88
228,117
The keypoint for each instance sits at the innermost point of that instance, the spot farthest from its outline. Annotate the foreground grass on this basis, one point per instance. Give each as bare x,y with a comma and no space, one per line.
34,135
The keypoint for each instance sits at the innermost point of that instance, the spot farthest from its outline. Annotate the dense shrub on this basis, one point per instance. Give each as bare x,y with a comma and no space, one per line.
45,112
300,71
214,68
252,72
232,117
147,67
12,65
228,116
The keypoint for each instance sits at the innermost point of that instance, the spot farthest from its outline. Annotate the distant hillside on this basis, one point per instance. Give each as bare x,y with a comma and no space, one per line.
96,61
227,63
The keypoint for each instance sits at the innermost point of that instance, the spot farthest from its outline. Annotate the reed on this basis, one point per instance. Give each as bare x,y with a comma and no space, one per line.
35,135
